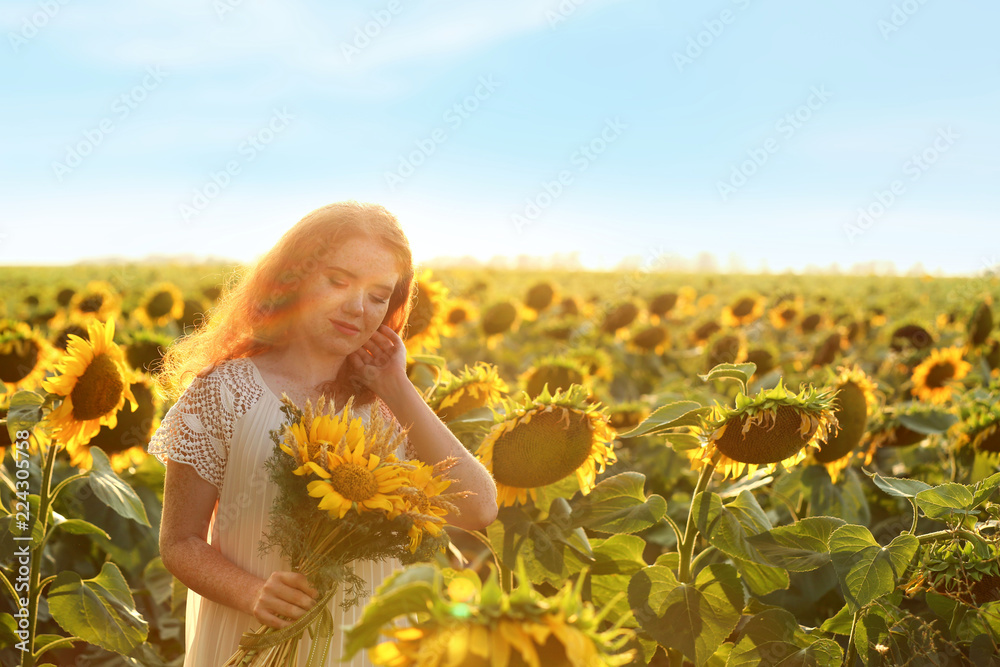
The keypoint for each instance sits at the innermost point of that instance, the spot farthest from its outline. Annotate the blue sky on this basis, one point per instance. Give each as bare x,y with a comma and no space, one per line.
789,134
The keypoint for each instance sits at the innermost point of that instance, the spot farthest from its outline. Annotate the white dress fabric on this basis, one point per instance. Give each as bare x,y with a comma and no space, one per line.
220,425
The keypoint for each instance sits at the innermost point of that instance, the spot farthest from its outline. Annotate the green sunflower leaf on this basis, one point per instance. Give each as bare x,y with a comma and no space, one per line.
773,638
900,488
801,547
946,501
728,527
113,491
668,416
99,611
739,372
693,617
618,504
866,570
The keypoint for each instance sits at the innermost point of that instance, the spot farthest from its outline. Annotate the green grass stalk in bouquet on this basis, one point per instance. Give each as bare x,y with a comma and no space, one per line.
343,495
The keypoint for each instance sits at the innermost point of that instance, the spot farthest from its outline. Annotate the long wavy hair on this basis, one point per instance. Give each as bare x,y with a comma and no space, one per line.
259,302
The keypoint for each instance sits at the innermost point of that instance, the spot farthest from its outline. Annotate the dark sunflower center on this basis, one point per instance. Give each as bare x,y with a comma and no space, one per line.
767,440
939,374
540,297
91,303
354,481
144,355
990,442
663,303
542,451
647,339
620,317
18,360
98,390
851,414
743,307
706,330
788,314
161,304
499,318
457,316
62,340
134,428
810,323
557,377
422,313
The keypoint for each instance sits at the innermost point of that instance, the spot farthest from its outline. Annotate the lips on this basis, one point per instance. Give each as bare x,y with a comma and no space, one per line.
345,327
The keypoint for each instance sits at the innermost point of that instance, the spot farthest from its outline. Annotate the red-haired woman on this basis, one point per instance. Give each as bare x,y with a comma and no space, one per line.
319,314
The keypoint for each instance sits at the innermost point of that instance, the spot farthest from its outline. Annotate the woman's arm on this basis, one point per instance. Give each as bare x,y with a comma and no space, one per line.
429,436
188,503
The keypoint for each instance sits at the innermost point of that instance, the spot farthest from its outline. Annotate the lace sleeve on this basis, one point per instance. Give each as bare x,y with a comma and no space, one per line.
197,429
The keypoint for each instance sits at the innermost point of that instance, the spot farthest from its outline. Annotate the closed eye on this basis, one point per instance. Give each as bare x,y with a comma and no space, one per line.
341,283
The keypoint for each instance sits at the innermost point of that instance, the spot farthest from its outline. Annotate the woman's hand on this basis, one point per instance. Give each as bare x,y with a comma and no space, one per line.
381,361
286,593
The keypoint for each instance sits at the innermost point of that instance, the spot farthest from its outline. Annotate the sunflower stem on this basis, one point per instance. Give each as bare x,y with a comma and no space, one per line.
66,482
506,579
690,530
852,656
916,516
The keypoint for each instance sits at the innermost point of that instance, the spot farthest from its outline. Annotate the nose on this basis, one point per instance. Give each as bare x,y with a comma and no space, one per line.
354,304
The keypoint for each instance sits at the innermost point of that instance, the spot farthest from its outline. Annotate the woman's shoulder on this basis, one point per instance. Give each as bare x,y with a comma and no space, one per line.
230,383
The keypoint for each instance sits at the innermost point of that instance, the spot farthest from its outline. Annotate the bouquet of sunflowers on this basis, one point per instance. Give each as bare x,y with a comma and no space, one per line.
343,495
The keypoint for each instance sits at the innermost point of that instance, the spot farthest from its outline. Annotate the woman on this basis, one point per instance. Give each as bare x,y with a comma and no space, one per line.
319,314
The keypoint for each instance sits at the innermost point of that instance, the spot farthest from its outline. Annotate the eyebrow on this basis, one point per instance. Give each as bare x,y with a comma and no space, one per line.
332,267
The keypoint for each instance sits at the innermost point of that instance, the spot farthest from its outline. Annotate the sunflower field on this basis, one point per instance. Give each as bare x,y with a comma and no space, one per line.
707,470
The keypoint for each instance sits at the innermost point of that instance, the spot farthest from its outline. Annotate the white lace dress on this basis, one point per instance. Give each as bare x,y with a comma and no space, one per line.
220,425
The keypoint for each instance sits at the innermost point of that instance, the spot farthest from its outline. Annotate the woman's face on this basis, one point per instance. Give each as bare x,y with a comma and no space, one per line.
345,300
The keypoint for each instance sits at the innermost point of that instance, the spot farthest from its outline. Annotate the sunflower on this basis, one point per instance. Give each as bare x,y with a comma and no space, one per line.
827,351
475,624
100,299
126,442
423,328
144,350
771,427
933,379
726,348
856,402
743,311
24,358
620,316
704,331
785,312
812,322
558,373
980,430
540,296
661,305
458,313
653,338
540,441
890,426
764,358
910,335
193,316
981,323
162,303
356,465
473,388
596,362
92,379
499,319
426,501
